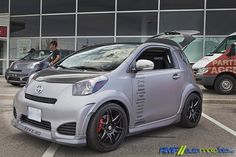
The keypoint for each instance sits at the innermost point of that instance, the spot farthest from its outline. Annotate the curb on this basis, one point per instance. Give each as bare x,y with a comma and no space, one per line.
219,101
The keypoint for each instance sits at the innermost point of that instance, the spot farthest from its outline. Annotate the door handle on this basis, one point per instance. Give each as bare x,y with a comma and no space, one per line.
176,76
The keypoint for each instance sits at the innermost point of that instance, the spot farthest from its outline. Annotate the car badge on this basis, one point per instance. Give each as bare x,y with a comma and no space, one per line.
39,89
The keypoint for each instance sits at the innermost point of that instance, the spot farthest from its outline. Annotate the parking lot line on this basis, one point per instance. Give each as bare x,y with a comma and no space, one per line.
51,150
219,124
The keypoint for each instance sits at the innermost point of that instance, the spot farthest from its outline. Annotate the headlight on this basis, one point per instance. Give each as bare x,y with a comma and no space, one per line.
90,86
33,66
30,79
202,70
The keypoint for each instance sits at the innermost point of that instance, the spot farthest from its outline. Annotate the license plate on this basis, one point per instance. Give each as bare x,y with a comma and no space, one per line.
34,114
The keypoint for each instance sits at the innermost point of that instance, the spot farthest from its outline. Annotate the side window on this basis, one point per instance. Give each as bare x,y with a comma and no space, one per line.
161,58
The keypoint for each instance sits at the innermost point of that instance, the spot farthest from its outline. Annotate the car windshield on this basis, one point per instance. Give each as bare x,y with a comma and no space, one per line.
100,58
37,55
225,44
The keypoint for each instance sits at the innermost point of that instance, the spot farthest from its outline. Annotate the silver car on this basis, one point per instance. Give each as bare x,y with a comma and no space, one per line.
104,93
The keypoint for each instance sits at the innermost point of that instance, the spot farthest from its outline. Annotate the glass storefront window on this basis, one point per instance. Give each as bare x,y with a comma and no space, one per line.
137,24
131,39
24,26
22,7
63,43
84,42
4,7
3,48
221,4
96,25
59,6
220,22
182,4
59,25
96,5
181,21
137,4
19,47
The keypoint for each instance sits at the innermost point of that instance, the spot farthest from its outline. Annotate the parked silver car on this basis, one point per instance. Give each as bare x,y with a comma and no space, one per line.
106,92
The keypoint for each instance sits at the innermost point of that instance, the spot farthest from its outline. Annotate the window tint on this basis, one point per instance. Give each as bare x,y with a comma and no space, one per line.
24,26
160,57
96,5
60,25
21,7
137,4
4,6
58,6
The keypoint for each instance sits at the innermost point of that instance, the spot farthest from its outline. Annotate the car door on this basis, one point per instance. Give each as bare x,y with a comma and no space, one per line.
157,93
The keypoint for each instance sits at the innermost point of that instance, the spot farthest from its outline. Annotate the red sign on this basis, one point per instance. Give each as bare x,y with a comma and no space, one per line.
3,31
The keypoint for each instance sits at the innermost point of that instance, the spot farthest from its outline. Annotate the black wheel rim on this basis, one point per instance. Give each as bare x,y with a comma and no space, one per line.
194,110
110,127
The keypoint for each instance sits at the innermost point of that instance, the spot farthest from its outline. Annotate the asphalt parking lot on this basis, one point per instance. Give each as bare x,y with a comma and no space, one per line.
216,129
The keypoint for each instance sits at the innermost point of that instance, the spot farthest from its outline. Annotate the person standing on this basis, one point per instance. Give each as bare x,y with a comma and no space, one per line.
56,53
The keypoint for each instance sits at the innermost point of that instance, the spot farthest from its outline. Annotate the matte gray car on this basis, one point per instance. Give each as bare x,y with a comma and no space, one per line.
107,92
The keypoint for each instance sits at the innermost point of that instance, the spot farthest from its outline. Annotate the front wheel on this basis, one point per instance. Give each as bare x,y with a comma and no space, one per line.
225,84
107,128
192,110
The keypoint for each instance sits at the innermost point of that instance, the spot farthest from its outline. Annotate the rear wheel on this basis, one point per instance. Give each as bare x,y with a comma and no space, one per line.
191,113
225,84
107,128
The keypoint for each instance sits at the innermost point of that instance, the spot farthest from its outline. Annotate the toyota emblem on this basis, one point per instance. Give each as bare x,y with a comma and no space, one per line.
39,89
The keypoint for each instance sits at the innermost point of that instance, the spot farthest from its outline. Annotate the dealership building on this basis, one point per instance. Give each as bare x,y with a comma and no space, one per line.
26,24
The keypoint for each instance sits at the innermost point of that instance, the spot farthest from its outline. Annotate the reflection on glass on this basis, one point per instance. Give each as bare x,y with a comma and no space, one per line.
59,6
96,25
182,4
63,43
220,22
19,47
21,7
137,24
4,6
99,58
194,51
133,39
60,25
221,4
181,21
84,42
137,4
24,26
96,5
37,55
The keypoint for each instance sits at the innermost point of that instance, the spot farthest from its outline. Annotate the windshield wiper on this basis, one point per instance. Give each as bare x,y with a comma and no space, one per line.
63,67
87,68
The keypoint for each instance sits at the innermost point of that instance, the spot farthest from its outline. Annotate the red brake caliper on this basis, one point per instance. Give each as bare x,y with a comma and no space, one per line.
100,125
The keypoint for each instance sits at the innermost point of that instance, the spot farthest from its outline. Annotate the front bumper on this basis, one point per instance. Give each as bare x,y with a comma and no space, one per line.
56,116
16,77
205,80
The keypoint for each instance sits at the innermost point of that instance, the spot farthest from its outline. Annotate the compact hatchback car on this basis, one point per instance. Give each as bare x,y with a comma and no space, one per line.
103,93
19,71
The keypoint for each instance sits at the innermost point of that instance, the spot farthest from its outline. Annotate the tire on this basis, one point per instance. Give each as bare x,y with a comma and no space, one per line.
107,128
192,110
225,84
209,87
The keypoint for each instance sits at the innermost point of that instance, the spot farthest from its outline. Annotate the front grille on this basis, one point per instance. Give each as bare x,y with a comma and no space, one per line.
14,79
15,70
43,124
25,79
40,99
67,129
14,113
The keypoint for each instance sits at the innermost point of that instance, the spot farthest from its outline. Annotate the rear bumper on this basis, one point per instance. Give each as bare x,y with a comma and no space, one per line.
205,80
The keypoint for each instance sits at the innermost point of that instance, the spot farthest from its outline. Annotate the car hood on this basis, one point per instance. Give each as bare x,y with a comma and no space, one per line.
205,61
65,76
22,65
